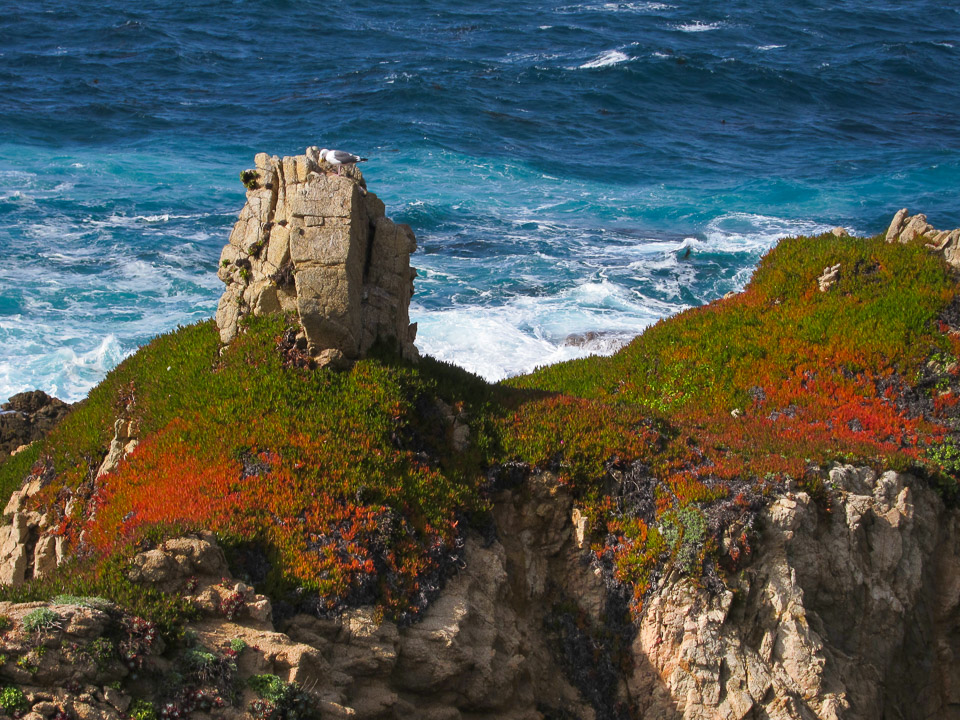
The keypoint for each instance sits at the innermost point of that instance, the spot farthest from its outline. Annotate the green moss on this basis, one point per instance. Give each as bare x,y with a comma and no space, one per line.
143,710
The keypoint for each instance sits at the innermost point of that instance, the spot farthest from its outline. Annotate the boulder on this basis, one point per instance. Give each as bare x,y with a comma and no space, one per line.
829,277
27,417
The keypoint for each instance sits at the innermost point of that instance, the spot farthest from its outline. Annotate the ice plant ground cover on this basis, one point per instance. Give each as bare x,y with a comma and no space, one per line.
331,489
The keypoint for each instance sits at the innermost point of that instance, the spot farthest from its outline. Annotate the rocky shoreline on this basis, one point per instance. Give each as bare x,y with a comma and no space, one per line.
560,565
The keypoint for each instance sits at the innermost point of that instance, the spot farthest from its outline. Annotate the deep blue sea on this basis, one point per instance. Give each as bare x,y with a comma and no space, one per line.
556,160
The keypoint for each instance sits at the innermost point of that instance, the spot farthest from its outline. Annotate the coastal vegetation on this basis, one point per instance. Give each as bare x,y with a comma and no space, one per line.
337,488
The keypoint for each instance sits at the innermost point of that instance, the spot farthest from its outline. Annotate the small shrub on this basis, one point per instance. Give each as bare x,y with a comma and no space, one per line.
946,456
143,710
41,619
269,687
90,601
232,605
5,623
141,635
685,530
279,700
28,662
206,668
238,645
250,179
13,701
198,659
102,651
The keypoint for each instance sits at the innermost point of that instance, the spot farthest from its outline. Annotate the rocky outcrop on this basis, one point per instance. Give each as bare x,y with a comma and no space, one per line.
123,443
28,547
26,417
482,649
849,609
904,228
318,246
829,277
30,544
848,612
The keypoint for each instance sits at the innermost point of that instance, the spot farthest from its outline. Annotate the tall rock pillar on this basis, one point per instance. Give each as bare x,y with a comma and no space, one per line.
318,246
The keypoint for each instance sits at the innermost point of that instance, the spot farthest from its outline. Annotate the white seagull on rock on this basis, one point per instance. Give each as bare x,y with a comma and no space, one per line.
339,158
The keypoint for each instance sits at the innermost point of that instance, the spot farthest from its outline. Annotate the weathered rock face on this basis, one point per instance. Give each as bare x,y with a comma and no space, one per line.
28,547
904,228
317,245
481,651
27,417
848,611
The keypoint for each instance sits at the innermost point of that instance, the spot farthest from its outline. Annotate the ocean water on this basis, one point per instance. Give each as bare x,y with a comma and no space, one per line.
557,161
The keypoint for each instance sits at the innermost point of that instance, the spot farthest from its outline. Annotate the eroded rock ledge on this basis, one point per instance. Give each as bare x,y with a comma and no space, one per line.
318,246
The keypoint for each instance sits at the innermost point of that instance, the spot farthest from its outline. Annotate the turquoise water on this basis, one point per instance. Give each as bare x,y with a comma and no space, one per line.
556,161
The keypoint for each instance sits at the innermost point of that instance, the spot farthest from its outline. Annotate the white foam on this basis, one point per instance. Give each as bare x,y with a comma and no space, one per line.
698,26
610,57
620,281
755,234
127,221
764,48
491,343
527,332
636,6
62,372
621,7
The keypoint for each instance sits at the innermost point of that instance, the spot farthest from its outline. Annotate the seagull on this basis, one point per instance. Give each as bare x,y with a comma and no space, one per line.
339,158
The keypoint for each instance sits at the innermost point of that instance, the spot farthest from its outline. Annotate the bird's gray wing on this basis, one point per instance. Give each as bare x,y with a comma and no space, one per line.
345,157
